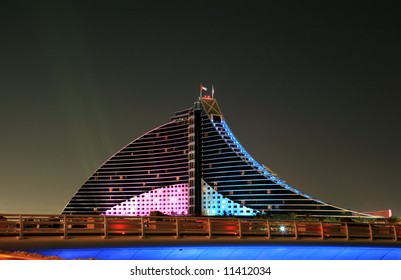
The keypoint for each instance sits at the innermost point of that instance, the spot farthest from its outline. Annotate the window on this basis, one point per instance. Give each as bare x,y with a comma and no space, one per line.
216,119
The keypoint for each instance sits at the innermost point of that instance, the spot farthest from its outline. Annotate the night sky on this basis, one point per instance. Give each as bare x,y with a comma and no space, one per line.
311,89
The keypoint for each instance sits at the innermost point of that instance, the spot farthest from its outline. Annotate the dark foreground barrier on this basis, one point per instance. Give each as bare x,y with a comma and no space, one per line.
180,227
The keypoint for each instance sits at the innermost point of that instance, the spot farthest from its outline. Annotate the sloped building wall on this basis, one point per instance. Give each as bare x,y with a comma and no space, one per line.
197,154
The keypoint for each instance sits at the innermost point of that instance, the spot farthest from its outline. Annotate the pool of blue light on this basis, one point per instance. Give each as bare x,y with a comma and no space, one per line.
272,252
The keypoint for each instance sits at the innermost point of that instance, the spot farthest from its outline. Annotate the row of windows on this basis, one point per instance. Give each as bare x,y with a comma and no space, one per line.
174,212
217,212
145,207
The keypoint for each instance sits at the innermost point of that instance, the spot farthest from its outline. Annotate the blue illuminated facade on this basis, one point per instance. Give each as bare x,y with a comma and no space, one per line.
192,165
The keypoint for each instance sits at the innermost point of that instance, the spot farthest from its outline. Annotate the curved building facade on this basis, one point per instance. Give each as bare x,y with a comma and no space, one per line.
193,166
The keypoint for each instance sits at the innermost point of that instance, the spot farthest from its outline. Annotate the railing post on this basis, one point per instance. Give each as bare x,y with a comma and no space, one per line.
395,233
21,227
177,228
239,229
321,230
370,231
295,230
268,229
209,227
65,227
105,227
142,228
346,231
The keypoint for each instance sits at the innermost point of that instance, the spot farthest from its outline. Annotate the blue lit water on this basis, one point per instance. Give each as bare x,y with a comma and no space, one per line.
271,252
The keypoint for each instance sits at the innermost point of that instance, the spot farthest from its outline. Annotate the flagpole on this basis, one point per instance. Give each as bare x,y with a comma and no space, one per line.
200,90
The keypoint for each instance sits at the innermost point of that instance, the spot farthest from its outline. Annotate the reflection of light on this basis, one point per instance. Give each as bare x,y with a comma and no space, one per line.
282,252
282,228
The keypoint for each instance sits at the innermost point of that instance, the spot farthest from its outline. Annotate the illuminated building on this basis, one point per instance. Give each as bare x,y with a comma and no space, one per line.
192,165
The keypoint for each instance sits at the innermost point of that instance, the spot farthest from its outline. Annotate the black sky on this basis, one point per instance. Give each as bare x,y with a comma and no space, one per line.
312,89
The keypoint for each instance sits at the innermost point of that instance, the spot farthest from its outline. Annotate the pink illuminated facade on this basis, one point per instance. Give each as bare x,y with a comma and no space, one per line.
170,200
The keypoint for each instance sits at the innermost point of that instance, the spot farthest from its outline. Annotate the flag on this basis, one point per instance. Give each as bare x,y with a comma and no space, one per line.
202,88
212,91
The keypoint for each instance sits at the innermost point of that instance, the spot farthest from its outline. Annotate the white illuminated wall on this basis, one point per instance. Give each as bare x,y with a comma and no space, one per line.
215,204
170,200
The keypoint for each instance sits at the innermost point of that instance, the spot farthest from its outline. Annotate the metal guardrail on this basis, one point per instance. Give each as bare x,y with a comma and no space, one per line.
65,226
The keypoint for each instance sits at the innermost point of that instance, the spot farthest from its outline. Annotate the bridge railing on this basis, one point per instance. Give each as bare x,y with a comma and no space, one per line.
65,226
